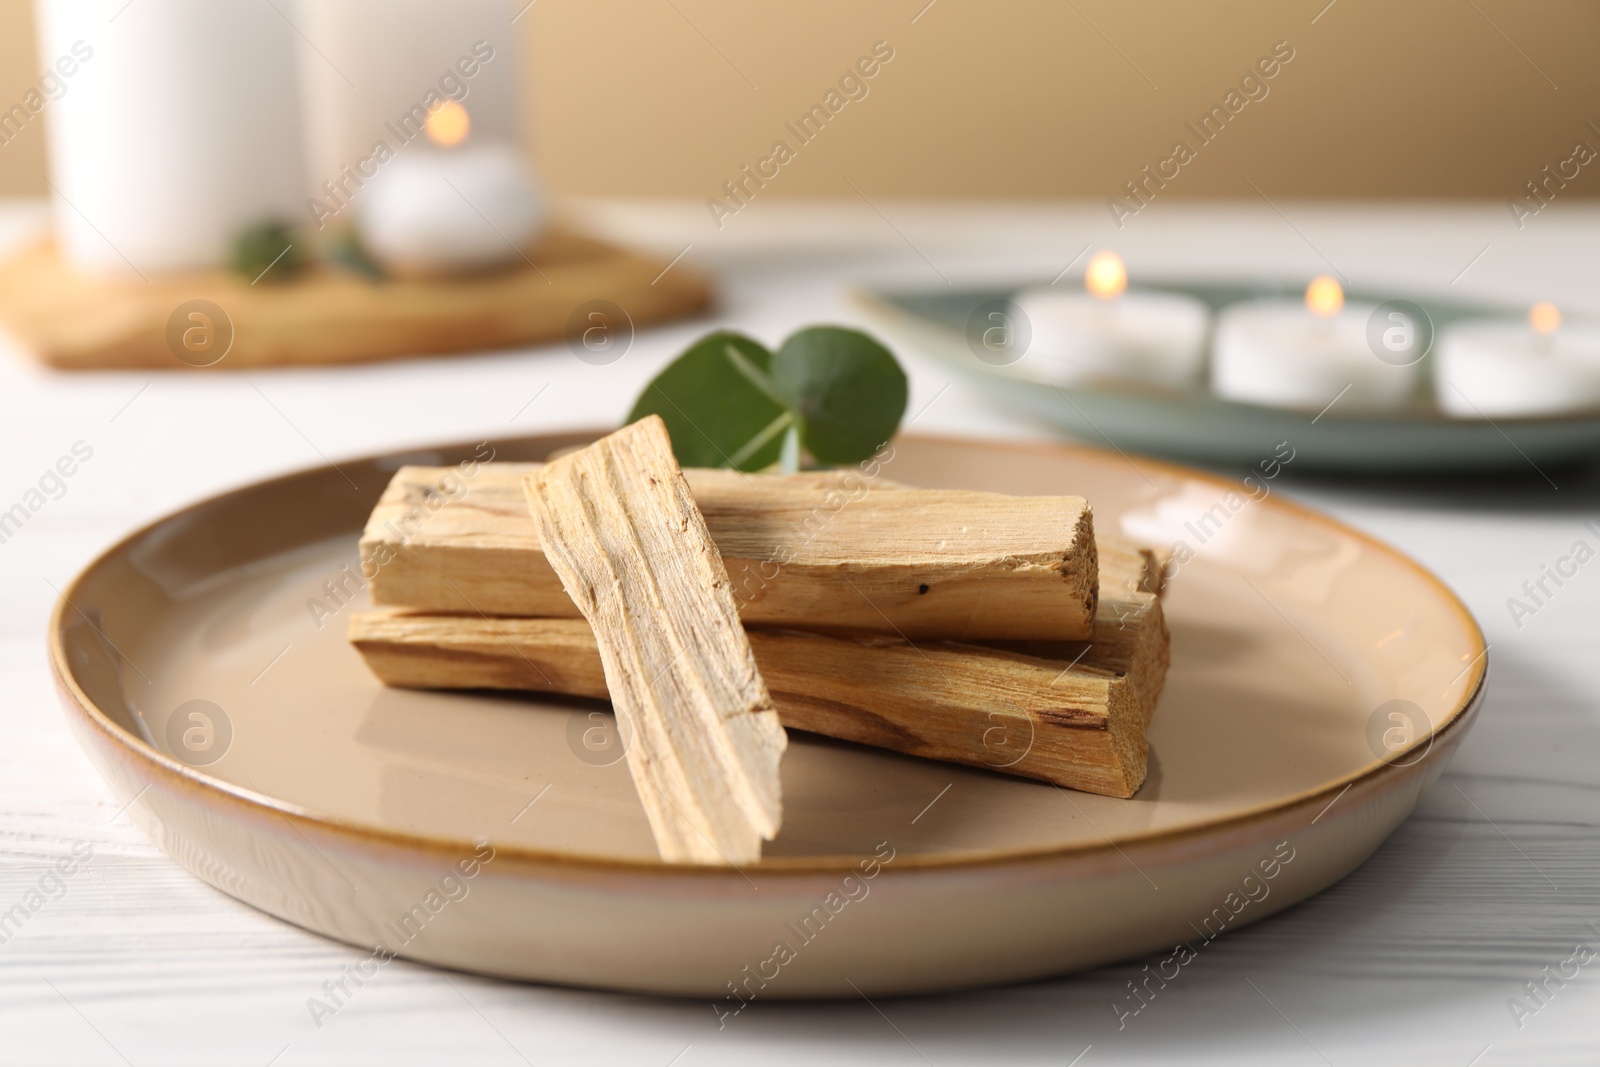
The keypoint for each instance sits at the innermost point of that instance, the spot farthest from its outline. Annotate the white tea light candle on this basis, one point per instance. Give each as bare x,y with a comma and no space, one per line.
1108,333
373,70
1490,368
1279,353
451,209
182,130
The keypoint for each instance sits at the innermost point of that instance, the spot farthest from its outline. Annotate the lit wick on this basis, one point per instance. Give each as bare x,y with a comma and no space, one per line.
1545,318
448,124
1324,299
1107,277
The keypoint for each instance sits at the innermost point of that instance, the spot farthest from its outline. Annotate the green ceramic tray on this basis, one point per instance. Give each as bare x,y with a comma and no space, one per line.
1194,424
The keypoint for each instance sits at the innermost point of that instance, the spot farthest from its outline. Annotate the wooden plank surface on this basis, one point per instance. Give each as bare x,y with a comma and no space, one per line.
1408,961
77,322
813,551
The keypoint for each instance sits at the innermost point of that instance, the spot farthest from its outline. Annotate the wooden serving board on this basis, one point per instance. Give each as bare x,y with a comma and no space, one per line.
75,321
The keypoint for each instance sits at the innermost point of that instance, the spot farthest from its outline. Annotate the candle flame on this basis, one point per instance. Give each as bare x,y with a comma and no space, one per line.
448,124
1106,277
1324,296
1545,318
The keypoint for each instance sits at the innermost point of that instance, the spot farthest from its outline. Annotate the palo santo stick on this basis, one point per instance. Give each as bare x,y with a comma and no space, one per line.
1130,641
620,528
812,551
1077,725
1128,568
422,650
1124,566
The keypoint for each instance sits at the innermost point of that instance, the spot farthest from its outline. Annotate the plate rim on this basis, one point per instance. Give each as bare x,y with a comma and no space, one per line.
82,711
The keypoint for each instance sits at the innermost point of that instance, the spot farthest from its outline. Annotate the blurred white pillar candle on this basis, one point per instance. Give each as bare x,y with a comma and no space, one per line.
372,70
1107,333
1493,368
179,128
1280,353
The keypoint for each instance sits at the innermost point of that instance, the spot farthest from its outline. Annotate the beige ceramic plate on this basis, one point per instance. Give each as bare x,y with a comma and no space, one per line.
1279,760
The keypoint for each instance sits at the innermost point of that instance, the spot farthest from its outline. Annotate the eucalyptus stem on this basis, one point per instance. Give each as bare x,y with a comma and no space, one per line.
786,421
789,457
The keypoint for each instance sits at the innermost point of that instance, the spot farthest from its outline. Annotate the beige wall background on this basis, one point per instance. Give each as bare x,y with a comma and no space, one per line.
1033,98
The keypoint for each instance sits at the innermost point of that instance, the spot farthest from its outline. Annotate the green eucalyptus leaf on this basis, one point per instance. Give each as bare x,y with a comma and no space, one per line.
266,252
719,404
847,389
347,250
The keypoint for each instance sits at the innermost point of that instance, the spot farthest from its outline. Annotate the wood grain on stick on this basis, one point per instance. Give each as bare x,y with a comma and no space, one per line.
621,530
1074,715
811,551
1131,640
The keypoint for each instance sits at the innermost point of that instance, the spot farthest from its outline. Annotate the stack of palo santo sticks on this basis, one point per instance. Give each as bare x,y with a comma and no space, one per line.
716,608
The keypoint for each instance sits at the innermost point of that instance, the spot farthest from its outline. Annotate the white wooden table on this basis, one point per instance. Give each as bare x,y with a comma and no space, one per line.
1410,960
